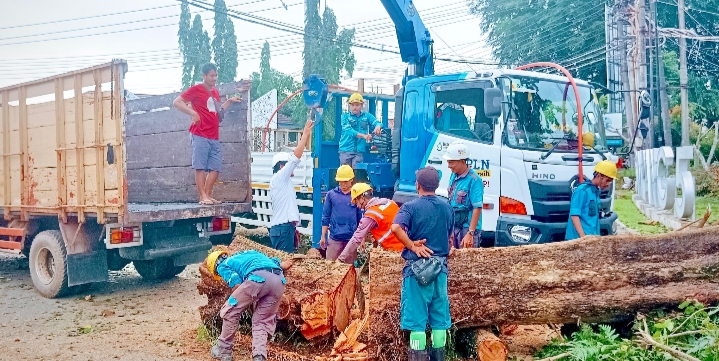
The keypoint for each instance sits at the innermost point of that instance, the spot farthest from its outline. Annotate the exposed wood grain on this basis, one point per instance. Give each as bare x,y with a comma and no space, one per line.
7,194
61,154
79,152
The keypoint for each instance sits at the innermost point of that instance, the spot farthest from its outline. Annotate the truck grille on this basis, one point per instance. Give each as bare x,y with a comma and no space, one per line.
551,200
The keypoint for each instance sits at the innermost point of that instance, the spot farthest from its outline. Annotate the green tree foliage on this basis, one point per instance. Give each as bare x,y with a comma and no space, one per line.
183,39
268,78
224,44
527,31
198,49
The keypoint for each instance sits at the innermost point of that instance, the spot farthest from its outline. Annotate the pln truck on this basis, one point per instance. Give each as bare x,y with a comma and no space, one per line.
524,130
91,180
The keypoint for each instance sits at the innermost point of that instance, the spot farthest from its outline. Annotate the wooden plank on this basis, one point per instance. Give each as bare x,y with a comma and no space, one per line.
100,152
61,154
118,117
178,185
162,101
173,120
139,213
80,152
12,232
7,186
10,245
25,166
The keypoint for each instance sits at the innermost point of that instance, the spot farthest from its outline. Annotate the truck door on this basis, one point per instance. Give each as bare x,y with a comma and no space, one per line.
459,116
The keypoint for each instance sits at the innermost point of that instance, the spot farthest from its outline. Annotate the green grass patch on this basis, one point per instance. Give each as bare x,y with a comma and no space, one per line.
630,215
706,201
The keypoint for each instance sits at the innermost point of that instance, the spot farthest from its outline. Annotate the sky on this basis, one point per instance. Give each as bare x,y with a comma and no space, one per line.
41,38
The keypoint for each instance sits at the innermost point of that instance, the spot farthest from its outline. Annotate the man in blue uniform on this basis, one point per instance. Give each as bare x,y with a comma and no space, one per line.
423,226
356,128
586,204
466,195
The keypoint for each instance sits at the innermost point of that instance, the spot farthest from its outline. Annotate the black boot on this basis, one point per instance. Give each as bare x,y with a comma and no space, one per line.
436,354
415,355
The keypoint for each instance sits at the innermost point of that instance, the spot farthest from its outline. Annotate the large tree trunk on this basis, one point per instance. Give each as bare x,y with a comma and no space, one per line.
597,279
317,299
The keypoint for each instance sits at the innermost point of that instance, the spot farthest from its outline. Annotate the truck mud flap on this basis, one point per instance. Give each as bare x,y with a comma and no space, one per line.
87,268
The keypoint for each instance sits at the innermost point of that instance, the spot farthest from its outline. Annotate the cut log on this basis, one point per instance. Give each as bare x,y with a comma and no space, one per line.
489,346
317,299
597,279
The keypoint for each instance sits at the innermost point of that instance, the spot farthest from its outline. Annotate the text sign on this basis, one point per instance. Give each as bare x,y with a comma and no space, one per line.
656,187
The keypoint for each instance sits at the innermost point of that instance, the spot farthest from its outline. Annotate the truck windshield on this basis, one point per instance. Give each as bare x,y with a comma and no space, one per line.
543,114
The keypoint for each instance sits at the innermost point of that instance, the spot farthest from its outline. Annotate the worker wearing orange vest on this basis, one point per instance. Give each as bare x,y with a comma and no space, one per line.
378,216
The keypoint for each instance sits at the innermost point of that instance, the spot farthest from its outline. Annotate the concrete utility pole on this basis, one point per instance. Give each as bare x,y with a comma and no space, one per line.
663,97
620,18
644,71
683,77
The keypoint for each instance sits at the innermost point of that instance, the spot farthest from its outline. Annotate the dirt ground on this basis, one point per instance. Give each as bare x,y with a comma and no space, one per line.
127,318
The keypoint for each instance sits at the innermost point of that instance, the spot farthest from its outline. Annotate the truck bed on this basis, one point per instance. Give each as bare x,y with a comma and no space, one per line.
153,212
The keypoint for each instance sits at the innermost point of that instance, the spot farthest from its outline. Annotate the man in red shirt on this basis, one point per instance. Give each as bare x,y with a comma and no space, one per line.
205,112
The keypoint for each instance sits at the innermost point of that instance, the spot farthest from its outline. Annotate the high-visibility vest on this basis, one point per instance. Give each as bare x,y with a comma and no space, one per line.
384,215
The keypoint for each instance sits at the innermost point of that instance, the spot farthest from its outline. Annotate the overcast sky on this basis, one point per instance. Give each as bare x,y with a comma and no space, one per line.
40,38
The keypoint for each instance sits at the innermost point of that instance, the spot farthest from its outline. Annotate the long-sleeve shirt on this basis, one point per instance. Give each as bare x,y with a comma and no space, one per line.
353,125
283,196
366,224
340,215
239,267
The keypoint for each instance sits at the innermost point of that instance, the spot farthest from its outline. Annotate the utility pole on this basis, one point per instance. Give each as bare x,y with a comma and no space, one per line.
663,97
683,77
620,18
643,70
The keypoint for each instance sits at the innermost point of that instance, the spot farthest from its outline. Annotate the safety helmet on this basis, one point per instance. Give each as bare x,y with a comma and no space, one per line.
358,190
212,263
356,98
607,168
280,157
344,173
457,151
588,139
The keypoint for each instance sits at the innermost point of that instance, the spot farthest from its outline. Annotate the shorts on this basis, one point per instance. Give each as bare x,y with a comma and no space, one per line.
351,159
206,154
422,304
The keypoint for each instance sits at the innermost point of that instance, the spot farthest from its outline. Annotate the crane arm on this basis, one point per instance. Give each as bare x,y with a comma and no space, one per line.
415,42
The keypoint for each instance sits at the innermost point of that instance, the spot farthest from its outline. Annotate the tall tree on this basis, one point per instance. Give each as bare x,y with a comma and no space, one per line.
224,45
268,78
199,48
183,39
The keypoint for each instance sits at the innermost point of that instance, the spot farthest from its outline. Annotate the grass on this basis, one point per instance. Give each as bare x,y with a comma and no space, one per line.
634,219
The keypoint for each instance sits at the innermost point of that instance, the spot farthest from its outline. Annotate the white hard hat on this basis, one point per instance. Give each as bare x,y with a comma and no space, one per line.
457,151
280,157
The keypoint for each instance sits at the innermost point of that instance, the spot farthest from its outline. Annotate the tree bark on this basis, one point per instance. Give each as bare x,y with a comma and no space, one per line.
596,279
317,300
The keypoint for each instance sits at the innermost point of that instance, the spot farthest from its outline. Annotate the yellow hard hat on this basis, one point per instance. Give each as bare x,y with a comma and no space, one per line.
344,173
358,190
356,98
607,168
588,139
212,263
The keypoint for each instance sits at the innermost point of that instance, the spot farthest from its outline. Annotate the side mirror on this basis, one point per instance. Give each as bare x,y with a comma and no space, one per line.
493,102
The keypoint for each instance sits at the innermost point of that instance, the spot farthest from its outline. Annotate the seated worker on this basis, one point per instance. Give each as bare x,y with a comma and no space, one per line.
254,279
356,127
585,204
339,216
378,217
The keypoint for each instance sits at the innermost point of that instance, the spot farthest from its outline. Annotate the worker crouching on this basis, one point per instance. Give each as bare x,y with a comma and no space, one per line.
254,279
586,203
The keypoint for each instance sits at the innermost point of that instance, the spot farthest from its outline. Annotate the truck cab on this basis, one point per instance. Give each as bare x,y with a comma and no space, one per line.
527,157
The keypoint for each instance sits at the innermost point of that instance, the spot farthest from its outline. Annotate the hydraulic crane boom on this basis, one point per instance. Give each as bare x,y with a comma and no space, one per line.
415,42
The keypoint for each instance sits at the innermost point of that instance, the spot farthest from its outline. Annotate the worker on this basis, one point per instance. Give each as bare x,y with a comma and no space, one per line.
255,279
378,216
466,195
285,214
356,127
586,203
423,226
206,113
339,216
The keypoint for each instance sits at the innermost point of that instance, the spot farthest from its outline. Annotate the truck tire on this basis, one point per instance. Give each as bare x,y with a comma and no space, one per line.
157,269
48,264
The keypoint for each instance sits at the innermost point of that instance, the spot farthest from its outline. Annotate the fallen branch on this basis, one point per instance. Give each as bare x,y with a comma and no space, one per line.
646,338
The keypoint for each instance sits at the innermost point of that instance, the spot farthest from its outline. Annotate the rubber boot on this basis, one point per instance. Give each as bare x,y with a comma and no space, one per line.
436,354
415,355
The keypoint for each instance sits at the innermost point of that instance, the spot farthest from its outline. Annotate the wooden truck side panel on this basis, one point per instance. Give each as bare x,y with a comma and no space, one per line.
51,126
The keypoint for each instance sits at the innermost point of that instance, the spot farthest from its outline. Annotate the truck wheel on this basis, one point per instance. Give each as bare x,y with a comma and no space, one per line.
156,269
174,271
48,267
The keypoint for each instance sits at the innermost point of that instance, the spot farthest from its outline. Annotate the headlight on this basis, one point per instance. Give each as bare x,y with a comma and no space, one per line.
521,234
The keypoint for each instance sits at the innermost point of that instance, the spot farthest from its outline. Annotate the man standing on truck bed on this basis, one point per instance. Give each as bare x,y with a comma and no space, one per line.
285,214
466,196
423,226
586,204
355,132
206,114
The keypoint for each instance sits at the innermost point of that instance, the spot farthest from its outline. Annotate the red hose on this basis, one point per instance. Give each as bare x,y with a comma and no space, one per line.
566,73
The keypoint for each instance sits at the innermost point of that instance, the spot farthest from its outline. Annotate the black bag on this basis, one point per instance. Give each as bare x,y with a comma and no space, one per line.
426,270
461,216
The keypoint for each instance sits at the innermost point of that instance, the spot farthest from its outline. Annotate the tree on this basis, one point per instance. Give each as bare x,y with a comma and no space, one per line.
267,79
527,31
183,39
224,45
199,49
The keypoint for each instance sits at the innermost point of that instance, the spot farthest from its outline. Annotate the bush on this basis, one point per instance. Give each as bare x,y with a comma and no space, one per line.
707,182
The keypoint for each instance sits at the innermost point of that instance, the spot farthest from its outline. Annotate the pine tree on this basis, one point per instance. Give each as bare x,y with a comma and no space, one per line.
199,45
224,45
183,39
267,79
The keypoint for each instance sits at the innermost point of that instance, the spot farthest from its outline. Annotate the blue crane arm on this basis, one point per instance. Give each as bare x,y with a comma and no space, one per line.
415,42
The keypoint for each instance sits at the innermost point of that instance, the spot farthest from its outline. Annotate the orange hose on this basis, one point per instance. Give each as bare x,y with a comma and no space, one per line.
569,76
